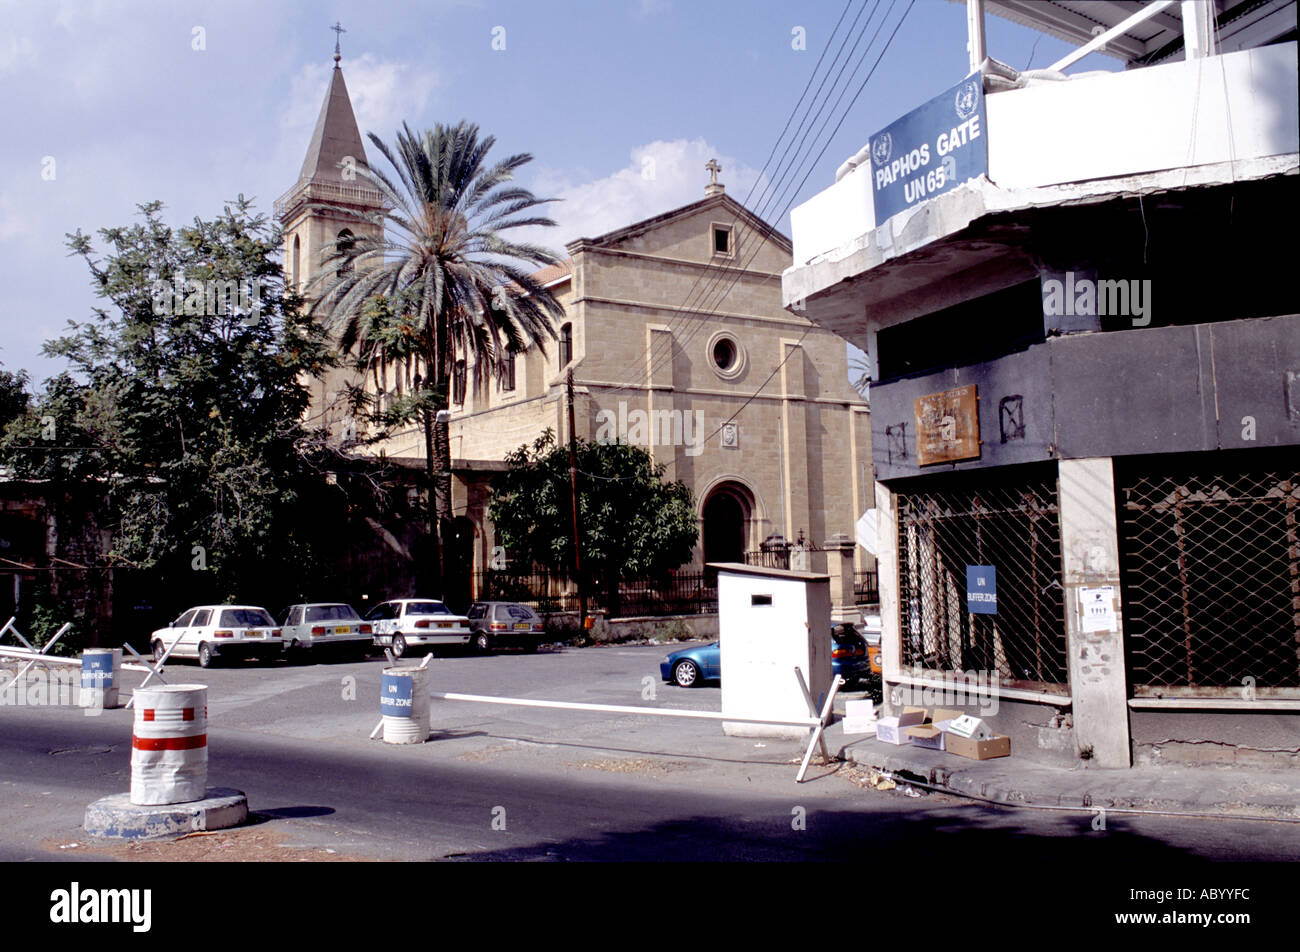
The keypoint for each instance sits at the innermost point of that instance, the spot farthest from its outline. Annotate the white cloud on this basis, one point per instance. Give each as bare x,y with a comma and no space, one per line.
16,52
659,177
384,93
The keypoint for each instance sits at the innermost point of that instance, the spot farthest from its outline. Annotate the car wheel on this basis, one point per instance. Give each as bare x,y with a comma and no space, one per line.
482,643
686,674
158,651
205,656
399,646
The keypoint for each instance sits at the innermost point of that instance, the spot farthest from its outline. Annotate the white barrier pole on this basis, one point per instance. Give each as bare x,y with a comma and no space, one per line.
623,709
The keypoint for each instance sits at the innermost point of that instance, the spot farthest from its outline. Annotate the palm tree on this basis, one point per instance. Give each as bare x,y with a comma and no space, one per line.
441,248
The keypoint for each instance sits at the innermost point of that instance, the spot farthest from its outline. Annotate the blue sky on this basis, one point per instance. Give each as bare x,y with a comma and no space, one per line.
117,94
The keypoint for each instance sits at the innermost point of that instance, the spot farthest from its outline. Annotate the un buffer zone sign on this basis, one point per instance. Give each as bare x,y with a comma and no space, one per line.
982,589
931,150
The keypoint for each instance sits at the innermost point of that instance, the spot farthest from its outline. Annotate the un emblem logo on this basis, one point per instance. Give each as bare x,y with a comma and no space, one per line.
882,148
967,96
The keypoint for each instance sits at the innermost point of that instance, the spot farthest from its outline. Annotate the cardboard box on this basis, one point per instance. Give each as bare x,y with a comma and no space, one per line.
930,734
890,729
997,746
925,735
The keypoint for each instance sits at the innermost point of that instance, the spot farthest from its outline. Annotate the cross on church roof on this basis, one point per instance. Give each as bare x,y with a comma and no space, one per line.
339,31
713,168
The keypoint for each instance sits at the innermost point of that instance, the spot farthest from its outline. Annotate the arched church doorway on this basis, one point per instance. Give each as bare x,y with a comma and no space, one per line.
726,517
458,564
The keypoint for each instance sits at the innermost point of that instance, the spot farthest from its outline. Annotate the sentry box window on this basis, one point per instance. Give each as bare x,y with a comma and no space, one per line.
760,600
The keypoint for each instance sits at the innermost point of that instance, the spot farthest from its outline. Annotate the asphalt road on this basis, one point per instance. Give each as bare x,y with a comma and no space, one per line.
509,783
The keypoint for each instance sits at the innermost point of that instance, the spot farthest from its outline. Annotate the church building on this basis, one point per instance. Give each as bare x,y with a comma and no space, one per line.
676,339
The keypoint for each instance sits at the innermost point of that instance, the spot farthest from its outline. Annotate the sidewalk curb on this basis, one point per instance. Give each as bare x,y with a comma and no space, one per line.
1275,794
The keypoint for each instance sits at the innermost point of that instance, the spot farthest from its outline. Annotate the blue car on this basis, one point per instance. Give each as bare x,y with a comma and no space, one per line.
690,667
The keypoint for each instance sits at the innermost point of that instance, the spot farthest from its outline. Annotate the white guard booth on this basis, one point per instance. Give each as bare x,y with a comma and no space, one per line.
772,621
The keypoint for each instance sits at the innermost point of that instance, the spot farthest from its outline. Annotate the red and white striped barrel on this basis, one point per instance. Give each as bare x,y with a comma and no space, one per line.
169,744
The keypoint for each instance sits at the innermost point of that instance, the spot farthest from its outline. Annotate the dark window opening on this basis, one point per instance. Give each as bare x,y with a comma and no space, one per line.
968,333
722,241
724,354
508,375
458,383
566,345
346,242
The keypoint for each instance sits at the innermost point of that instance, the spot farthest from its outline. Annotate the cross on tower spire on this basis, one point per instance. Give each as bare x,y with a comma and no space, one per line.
339,31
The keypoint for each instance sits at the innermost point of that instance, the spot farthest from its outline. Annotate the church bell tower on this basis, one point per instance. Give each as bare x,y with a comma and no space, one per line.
314,217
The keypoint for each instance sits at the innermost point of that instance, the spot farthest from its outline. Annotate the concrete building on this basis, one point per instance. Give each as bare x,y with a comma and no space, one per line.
676,339
1085,355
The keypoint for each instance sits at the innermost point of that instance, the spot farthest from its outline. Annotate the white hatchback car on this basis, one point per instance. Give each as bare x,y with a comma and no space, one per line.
324,624
410,622
219,631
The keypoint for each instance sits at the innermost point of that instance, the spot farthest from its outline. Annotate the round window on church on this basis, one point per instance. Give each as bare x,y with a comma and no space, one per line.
726,355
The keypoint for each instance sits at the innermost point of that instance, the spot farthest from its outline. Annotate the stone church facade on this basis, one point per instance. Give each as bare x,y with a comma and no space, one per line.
676,339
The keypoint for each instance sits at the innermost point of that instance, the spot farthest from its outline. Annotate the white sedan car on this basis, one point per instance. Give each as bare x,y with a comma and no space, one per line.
219,631
417,622
324,624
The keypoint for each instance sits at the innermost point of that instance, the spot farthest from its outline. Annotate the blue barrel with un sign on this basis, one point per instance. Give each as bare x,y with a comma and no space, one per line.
100,670
404,703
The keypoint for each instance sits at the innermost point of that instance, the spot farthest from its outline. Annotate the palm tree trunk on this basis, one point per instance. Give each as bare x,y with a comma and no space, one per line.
431,564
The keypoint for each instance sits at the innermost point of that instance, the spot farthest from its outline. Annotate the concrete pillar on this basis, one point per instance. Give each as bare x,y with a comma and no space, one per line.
1090,557
794,437
839,565
660,397
887,568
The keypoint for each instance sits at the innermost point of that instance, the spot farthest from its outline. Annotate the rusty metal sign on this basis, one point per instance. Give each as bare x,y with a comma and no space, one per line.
947,426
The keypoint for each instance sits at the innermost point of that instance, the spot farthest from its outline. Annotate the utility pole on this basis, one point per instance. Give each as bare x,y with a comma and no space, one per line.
573,492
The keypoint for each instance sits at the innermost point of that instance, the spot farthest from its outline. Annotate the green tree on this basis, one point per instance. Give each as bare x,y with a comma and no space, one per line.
458,288
184,399
14,397
633,524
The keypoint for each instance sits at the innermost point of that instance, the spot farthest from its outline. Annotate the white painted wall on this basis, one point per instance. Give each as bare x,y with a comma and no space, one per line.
1215,109
762,645
834,217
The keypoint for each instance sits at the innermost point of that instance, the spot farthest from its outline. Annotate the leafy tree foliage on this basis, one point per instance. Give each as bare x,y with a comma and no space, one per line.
14,397
184,398
633,524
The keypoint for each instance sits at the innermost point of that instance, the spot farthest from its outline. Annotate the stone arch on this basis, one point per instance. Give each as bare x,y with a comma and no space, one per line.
729,516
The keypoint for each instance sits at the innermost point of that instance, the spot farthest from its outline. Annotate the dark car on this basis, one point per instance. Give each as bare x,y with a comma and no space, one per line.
504,625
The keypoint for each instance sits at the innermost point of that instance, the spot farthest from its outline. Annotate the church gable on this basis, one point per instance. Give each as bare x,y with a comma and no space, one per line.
717,231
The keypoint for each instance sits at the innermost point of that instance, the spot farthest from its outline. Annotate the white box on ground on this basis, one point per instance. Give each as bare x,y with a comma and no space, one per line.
972,728
890,729
860,717
770,622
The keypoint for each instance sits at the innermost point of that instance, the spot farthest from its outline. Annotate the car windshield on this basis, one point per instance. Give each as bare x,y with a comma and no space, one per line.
245,618
331,613
427,608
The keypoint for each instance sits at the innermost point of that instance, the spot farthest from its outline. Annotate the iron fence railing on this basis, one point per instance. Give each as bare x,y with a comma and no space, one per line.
866,588
1013,528
678,592
1211,582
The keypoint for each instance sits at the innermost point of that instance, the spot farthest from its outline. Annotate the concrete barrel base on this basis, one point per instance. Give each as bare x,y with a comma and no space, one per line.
118,818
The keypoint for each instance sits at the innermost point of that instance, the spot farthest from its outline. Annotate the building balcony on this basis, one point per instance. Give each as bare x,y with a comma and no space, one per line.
1052,147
